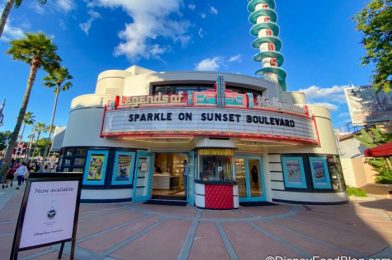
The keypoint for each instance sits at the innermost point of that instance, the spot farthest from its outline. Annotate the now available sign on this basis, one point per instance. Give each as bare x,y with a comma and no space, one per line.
49,212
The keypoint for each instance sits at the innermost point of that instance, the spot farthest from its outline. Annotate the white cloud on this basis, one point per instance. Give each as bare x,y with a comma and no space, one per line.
157,50
192,7
151,19
334,93
209,64
201,33
65,5
215,63
37,8
332,98
11,32
344,114
235,58
85,27
213,10
203,15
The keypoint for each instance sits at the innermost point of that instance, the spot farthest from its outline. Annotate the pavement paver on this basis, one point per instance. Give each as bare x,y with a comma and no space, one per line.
362,228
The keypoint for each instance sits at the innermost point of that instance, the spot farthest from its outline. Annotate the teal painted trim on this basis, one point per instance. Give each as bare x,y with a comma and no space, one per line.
131,169
269,25
277,70
263,12
252,4
301,183
267,39
269,54
91,153
147,186
321,164
249,197
191,178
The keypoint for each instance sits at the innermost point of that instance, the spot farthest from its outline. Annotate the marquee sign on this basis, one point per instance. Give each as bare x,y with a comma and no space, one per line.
193,121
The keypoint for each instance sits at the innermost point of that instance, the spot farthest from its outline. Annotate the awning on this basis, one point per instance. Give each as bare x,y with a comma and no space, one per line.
382,150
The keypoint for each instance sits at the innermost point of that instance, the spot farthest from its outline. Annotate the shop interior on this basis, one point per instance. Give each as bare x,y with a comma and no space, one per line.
168,176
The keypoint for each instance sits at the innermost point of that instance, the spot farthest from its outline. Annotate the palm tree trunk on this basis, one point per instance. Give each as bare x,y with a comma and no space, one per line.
21,135
14,136
5,14
56,98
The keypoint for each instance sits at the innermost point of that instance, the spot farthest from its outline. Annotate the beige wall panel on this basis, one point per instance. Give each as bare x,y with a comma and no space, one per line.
348,171
275,167
277,185
276,176
274,158
83,129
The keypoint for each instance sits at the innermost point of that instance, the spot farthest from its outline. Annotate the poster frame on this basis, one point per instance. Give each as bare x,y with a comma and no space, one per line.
100,182
131,169
316,185
287,183
42,177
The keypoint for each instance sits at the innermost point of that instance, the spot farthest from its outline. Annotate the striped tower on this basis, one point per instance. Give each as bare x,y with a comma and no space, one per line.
264,17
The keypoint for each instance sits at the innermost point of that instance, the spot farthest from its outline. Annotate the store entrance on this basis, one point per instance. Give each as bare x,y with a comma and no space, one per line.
168,176
249,175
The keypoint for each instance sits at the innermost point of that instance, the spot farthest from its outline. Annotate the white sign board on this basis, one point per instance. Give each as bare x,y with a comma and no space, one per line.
50,213
207,121
366,106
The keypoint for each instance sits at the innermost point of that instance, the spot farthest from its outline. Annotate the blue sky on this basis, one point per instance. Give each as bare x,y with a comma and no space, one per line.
321,46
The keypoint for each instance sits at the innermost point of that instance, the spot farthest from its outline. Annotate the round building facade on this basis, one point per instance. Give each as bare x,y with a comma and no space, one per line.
213,140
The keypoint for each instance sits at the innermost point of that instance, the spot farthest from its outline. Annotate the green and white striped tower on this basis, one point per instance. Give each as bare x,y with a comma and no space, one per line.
263,17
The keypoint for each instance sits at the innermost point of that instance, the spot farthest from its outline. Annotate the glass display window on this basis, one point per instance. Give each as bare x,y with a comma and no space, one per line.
215,164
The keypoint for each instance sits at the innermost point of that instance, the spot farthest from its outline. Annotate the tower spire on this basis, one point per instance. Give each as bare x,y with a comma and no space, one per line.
263,17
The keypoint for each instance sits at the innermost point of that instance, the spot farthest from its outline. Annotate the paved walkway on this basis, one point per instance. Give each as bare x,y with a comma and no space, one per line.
139,231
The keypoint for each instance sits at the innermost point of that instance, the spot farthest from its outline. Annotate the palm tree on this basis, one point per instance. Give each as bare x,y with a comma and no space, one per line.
38,51
28,119
39,128
60,79
7,9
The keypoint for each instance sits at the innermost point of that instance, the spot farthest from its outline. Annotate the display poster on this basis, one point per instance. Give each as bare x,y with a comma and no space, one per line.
320,175
123,168
50,213
95,170
294,174
95,167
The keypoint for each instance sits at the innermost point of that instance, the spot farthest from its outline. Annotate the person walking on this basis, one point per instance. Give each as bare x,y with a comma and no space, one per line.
21,173
4,169
11,173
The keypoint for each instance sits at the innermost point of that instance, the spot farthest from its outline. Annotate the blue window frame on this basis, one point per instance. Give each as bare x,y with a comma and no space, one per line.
95,169
320,174
123,168
293,172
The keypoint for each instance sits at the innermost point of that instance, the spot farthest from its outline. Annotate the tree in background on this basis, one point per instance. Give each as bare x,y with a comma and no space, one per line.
28,119
375,21
39,128
60,80
7,9
371,138
4,139
38,51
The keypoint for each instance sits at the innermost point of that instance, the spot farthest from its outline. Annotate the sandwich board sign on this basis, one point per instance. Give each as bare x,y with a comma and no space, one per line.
49,212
